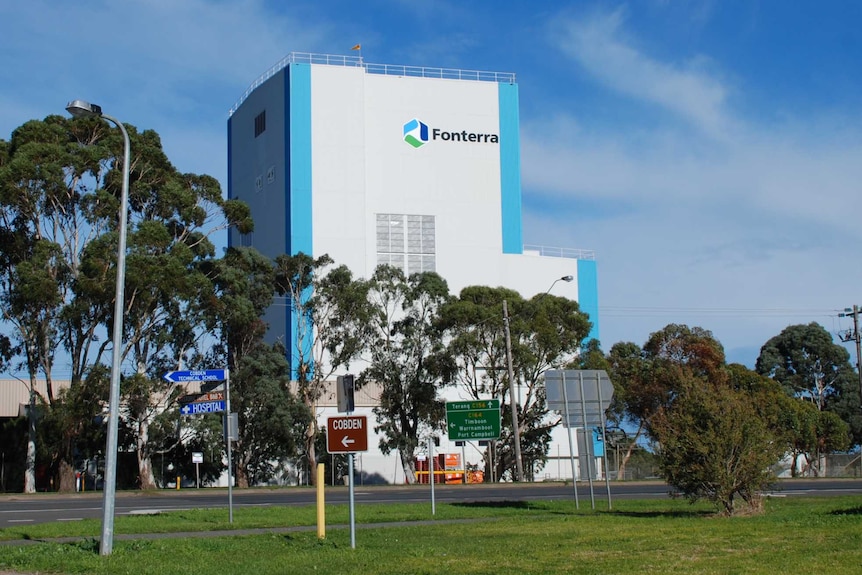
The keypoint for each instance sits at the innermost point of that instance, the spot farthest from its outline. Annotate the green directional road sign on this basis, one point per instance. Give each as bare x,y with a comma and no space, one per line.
473,420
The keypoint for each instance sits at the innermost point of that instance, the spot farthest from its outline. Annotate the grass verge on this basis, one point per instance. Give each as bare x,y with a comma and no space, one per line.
655,536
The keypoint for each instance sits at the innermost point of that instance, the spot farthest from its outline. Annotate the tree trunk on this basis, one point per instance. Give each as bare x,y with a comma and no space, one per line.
67,477
241,477
30,471
408,464
145,464
310,436
621,469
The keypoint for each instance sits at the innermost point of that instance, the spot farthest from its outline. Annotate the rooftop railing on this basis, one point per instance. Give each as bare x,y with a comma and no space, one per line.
382,69
553,252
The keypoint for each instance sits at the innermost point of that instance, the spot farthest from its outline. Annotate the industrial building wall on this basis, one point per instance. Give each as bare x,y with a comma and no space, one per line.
258,175
363,167
333,163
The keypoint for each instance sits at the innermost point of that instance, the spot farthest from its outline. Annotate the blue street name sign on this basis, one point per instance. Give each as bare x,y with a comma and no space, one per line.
200,375
202,407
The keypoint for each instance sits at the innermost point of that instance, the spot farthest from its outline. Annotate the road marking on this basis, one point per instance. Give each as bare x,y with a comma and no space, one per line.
70,519
20,520
48,510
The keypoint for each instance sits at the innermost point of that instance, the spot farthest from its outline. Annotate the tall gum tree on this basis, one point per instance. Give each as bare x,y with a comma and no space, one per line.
59,196
811,367
272,422
546,332
172,217
407,359
50,210
330,313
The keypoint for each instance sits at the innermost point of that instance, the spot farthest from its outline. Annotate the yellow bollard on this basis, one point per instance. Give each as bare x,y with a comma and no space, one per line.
178,482
321,509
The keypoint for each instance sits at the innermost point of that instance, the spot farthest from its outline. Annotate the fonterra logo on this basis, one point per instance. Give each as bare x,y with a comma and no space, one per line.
416,133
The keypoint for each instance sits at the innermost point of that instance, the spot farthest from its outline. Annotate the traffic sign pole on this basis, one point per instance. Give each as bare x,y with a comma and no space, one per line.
228,438
352,511
431,473
605,454
209,375
571,447
348,434
587,441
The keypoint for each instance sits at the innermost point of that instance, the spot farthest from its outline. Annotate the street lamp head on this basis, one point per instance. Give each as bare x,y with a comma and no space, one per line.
567,278
81,108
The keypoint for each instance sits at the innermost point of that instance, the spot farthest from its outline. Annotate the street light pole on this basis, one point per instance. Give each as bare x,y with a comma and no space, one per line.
106,544
519,462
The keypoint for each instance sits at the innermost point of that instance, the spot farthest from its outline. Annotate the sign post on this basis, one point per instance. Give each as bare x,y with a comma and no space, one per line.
210,402
583,395
197,459
348,434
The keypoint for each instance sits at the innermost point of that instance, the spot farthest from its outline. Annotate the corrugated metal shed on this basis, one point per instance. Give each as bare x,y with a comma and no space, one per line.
15,394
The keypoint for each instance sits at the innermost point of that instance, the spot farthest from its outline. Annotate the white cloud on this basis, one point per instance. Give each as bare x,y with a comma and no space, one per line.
734,214
686,89
173,66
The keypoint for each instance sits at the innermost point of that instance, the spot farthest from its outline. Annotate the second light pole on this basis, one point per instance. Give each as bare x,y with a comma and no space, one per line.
516,431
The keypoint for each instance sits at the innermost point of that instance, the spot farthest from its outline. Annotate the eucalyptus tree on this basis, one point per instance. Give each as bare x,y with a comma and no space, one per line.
272,421
330,312
547,332
407,359
812,368
173,215
60,188
806,361
51,208
647,379
716,428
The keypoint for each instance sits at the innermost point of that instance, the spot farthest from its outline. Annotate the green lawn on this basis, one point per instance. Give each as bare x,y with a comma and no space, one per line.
794,535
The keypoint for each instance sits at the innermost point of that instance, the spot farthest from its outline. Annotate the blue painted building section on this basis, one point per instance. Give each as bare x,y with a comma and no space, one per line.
510,169
588,294
298,230
229,168
299,149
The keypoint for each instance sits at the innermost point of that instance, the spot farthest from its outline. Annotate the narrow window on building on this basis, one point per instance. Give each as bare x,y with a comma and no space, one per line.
259,124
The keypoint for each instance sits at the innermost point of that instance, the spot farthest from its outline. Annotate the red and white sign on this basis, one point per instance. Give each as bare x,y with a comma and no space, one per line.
347,434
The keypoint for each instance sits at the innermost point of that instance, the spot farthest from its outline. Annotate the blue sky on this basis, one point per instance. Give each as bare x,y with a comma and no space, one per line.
709,152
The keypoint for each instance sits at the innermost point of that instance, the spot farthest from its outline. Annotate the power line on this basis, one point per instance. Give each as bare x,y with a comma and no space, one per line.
644,311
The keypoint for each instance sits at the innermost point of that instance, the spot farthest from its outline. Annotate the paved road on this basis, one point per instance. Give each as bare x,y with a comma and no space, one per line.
17,509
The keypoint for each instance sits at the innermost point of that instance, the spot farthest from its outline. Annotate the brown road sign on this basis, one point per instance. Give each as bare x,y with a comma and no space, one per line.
211,396
346,434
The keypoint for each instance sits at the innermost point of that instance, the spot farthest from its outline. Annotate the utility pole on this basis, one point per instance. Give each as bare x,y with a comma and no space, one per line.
519,465
857,337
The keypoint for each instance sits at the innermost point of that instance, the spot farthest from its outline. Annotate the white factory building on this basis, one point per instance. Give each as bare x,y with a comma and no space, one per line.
409,166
